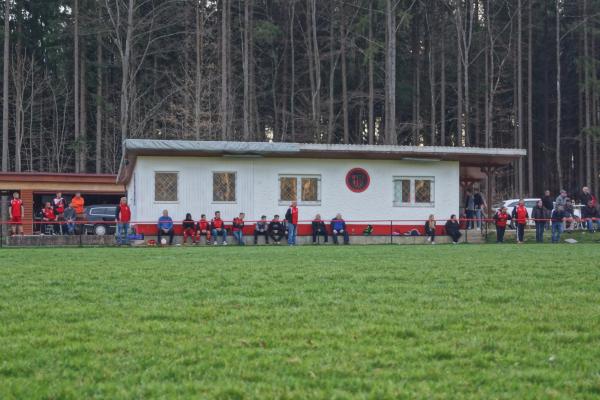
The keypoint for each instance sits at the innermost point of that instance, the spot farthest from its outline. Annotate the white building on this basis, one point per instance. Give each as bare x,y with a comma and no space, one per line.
365,183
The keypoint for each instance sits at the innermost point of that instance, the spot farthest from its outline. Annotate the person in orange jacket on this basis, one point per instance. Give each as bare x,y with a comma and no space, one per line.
521,216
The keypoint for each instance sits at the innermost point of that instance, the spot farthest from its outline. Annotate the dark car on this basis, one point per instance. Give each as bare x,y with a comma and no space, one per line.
100,220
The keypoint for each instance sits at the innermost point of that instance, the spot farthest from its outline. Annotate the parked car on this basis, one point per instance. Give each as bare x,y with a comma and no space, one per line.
100,220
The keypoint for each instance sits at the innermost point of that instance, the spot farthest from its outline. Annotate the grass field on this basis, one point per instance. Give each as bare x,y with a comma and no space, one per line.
430,322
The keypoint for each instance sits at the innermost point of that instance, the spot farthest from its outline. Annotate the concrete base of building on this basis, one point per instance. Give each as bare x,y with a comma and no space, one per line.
92,240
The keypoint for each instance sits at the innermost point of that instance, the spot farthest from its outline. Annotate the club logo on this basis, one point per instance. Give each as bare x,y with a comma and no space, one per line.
357,180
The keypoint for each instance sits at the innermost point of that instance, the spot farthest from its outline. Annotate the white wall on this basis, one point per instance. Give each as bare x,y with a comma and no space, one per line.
258,187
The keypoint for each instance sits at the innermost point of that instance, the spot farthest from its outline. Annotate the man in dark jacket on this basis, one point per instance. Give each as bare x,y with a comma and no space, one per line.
480,207
276,229
291,218
558,219
589,215
453,229
548,202
261,229
469,208
318,229
338,227
538,213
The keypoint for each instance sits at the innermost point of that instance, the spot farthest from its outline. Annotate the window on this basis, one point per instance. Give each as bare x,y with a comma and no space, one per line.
308,186
413,192
165,186
224,187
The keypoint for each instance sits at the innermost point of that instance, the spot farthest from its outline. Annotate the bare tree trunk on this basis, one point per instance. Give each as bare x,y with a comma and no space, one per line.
559,170
530,100
83,117
390,74
520,94
586,90
5,97
332,65
99,103
224,71
344,81
443,84
247,48
432,91
18,77
371,128
76,80
459,98
293,72
316,96
200,5
125,74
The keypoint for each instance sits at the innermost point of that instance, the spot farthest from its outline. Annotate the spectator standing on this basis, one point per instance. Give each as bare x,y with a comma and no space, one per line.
501,218
276,230
70,217
291,217
203,228
188,226
338,227
318,229
589,215
78,203
558,220
453,229
217,227
480,207
548,201
165,227
587,196
49,219
521,216
261,229
238,228
123,218
16,211
469,208
59,204
561,200
570,217
538,213
430,229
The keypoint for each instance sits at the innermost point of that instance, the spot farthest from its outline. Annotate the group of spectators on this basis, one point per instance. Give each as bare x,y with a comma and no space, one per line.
57,216
211,230
552,214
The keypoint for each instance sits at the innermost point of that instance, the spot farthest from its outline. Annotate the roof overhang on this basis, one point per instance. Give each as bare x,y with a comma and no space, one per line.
59,181
467,156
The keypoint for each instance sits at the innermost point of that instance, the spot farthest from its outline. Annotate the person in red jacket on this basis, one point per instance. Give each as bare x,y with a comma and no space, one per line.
217,226
16,211
521,215
123,218
238,228
49,217
203,228
291,217
501,217
189,229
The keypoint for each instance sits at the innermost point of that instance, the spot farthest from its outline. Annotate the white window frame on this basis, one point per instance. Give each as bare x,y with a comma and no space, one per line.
235,189
299,189
154,187
412,202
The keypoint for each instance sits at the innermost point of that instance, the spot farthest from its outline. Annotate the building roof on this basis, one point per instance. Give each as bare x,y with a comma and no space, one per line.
467,156
59,181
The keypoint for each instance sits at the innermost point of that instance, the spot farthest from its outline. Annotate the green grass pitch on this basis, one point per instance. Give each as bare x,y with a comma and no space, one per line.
371,322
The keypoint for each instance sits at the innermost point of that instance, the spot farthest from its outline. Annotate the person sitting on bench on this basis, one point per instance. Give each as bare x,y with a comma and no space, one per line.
338,227
276,230
318,229
261,229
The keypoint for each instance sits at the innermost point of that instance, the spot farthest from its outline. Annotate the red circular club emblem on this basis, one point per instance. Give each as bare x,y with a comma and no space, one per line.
357,180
